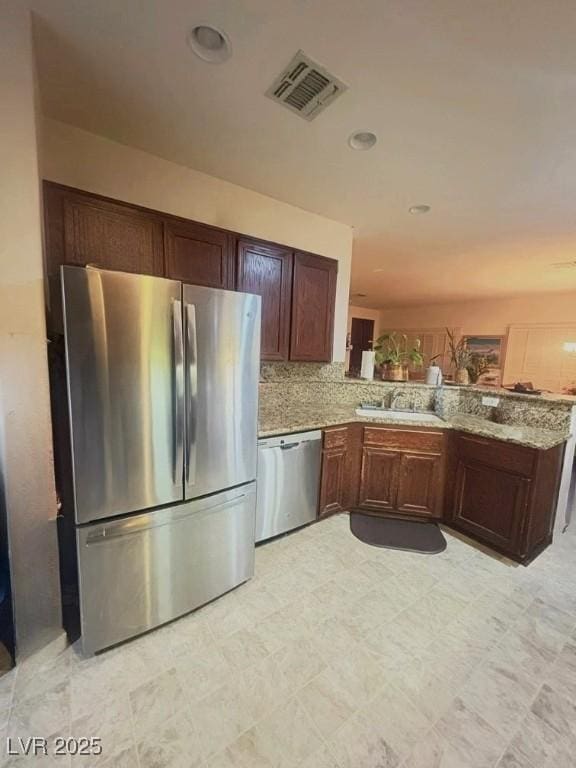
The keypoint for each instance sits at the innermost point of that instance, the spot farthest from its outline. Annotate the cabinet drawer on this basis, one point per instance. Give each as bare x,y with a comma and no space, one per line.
335,438
508,457
404,440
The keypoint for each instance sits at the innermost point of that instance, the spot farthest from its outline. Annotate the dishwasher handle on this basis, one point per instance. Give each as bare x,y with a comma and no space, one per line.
289,441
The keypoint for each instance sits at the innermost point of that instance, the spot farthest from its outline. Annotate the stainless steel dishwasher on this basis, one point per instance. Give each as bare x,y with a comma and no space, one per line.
288,482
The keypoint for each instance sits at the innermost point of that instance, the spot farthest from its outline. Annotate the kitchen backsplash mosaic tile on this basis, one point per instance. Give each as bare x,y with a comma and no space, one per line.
544,413
302,371
304,386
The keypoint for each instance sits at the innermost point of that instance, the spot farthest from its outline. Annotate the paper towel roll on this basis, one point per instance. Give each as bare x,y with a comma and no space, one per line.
368,360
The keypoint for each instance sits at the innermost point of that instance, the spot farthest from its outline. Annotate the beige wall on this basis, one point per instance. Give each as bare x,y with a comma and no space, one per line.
485,317
84,160
25,432
533,353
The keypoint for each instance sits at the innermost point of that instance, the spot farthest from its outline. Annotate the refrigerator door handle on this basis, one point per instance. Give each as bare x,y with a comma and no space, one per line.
146,522
178,391
191,392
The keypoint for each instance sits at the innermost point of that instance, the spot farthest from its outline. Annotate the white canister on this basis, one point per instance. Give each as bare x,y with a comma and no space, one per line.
434,376
368,361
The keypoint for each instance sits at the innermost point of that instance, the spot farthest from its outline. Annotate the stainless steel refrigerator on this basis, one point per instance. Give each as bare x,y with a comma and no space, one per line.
162,387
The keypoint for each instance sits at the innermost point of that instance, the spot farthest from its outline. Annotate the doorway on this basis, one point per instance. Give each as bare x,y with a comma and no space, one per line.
361,337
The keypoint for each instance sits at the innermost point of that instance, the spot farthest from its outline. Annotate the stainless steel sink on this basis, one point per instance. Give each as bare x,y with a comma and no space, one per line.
388,413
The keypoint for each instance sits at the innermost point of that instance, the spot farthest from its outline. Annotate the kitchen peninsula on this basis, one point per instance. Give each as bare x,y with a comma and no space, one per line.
493,472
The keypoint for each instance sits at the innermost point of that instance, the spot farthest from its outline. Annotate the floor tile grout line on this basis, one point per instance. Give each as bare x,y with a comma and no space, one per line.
527,709
320,735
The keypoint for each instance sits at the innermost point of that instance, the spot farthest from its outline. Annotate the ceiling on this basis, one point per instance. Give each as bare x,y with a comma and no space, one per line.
473,103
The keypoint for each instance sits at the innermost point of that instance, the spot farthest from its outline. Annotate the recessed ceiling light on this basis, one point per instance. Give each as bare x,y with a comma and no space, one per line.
416,209
210,43
362,140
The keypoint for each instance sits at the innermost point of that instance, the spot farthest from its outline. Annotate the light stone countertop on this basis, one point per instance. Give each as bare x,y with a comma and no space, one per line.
304,418
548,397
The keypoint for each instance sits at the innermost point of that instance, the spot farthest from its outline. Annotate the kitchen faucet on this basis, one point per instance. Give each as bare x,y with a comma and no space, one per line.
402,395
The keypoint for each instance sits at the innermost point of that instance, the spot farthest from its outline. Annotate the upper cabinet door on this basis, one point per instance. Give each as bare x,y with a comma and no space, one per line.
199,255
266,270
82,229
313,297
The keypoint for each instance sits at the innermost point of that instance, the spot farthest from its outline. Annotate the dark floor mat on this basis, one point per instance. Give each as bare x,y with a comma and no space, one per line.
425,538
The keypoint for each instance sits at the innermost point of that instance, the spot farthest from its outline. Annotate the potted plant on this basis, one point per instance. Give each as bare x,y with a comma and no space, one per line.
460,357
393,354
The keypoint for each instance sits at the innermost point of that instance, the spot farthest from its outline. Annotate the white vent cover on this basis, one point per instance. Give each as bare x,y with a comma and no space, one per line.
305,87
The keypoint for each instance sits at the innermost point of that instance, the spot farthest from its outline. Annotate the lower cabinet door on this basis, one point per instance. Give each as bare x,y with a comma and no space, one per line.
419,485
379,479
491,504
332,482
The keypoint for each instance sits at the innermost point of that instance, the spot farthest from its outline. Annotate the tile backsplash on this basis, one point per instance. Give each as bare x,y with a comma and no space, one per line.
289,385
275,394
302,371
548,414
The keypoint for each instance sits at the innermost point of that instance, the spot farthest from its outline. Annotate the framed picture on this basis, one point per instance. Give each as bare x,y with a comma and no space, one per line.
488,358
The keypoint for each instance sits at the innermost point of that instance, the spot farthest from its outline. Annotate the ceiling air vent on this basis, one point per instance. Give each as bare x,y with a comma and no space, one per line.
305,87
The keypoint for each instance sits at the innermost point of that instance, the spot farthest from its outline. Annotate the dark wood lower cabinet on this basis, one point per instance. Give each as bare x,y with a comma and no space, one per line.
333,477
503,495
332,482
490,504
420,484
498,493
379,479
402,472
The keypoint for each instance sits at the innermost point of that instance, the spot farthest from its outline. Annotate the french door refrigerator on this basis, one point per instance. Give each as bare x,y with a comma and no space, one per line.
162,387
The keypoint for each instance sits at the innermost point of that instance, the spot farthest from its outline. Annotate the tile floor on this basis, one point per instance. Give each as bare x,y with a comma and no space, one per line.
336,655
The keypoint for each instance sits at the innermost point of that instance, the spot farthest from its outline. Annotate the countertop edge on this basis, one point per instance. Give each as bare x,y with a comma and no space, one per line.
553,440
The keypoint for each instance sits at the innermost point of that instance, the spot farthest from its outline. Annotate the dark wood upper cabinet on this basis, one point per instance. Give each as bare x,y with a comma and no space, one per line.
313,299
266,270
84,229
298,289
198,254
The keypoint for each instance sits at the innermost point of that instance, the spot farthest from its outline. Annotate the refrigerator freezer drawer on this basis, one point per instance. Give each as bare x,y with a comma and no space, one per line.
143,571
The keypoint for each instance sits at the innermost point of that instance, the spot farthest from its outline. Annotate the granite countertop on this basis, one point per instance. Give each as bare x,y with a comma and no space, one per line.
532,437
304,418
550,397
